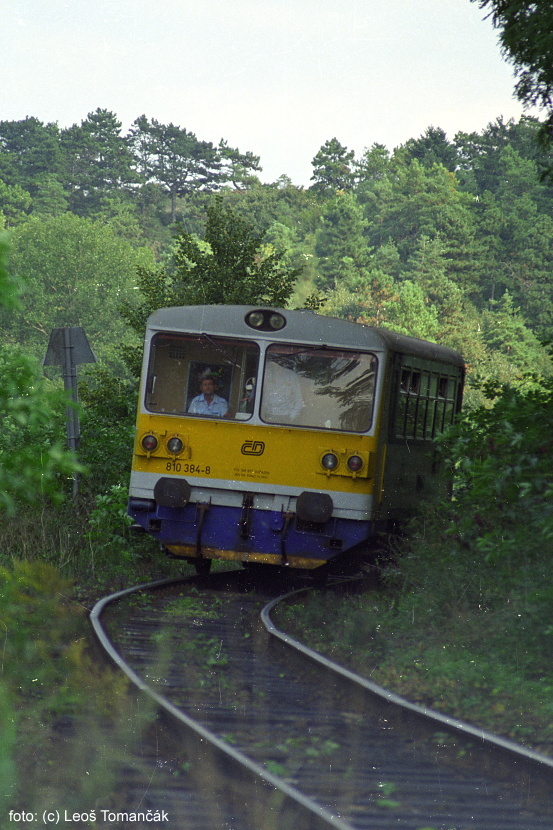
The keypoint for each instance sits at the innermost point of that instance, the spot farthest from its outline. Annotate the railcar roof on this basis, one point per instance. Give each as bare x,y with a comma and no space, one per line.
302,326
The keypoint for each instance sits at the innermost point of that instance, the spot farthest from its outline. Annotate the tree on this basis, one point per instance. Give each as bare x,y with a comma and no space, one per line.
414,201
340,241
516,241
527,40
14,204
75,272
98,160
363,296
333,167
371,172
174,158
51,198
236,167
478,167
230,265
526,36
428,271
432,148
411,313
29,150
505,332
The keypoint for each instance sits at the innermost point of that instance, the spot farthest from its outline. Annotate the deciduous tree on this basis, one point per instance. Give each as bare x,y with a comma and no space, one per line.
75,272
230,265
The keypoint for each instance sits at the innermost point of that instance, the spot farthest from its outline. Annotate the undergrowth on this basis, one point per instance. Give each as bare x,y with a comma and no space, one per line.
88,540
64,720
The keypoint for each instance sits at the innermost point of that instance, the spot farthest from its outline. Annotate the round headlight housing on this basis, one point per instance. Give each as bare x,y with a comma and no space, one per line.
354,462
255,319
329,461
264,319
277,321
149,443
175,445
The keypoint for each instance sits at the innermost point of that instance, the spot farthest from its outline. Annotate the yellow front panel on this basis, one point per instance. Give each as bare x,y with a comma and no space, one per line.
219,449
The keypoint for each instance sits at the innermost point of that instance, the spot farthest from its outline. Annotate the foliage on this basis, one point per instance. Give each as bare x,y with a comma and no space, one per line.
97,160
527,39
60,712
107,428
230,265
174,158
35,625
28,148
107,526
341,243
333,168
34,598
75,271
10,288
15,203
31,460
502,458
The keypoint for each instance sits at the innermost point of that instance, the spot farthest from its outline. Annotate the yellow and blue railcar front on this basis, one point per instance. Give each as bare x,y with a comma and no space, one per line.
279,457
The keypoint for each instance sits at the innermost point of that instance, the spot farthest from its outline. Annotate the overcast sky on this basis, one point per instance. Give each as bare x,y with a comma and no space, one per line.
277,78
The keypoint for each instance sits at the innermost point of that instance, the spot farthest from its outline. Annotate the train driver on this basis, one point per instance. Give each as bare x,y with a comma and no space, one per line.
207,402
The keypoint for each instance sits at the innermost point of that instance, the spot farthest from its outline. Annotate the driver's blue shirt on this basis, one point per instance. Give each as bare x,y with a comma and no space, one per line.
199,406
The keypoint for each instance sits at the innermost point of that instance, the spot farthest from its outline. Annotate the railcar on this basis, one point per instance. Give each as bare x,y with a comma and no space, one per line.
313,436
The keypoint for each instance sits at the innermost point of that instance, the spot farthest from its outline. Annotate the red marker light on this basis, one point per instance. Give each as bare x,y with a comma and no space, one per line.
355,462
149,443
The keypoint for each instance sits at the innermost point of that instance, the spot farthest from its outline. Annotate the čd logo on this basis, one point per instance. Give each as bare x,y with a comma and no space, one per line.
253,448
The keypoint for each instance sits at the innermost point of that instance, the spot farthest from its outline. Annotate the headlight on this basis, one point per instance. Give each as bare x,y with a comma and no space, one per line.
264,319
329,461
175,446
255,319
149,443
277,321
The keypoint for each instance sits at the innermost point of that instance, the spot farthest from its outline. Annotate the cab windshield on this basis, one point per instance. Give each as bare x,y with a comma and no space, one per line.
201,375
318,388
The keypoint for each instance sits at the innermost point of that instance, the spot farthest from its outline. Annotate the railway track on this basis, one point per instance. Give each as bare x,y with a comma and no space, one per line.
276,737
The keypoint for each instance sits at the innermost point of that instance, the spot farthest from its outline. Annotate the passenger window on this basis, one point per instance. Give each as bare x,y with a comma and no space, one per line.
425,405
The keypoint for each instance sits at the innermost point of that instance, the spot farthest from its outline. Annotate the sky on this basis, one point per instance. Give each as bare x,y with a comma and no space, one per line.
278,78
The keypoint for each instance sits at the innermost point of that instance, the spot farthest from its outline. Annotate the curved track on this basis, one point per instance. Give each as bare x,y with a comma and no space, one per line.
284,738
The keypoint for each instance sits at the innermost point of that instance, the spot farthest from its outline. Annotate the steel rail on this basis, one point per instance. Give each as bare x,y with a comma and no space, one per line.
312,815
520,760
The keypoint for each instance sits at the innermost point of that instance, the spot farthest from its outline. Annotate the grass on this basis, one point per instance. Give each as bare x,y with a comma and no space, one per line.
89,542
446,640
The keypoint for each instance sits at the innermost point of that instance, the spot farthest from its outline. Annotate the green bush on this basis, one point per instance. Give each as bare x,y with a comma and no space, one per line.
32,462
501,457
57,704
